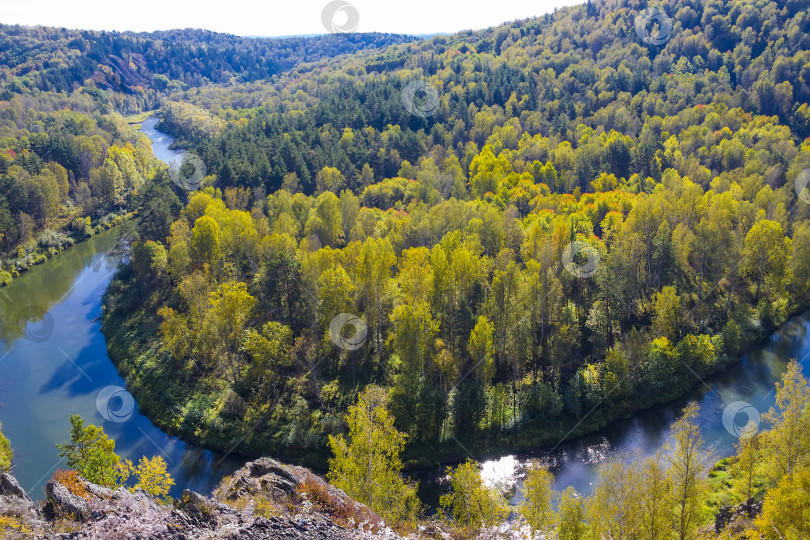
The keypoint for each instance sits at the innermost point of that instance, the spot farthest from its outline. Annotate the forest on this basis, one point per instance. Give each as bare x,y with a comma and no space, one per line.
494,240
142,68
67,171
511,261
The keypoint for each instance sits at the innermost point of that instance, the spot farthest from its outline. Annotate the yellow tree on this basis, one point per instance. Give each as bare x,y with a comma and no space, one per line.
480,347
571,524
225,321
538,492
786,510
766,255
471,503
367,465
613,507
152,475
689,465
667,314
654,496
374,266
788,440
206,241
5,453
748,457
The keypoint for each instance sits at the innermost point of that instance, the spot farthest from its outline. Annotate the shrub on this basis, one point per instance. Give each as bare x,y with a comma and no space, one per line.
52,240
345,514
72,482
13,523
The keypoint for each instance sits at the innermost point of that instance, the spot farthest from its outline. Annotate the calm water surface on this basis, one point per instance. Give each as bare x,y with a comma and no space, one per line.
54,363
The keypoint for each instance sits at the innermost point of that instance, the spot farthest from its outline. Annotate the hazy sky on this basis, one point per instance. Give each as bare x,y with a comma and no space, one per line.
273,17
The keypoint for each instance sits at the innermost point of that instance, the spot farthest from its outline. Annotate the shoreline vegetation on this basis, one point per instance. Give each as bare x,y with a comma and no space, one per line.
513,262
402,250
51,243
759,493
125,342
69,169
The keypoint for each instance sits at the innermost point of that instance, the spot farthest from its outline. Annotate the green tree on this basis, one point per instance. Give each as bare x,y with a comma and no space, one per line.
471,503
91,453
367,465
149,260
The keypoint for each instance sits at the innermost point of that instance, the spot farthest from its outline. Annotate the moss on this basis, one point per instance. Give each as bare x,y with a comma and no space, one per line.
5,453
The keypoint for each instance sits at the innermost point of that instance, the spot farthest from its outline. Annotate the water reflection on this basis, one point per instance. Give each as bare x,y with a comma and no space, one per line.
574,463
54,363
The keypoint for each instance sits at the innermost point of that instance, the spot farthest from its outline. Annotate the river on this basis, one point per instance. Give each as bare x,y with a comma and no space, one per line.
53,362
746,387
160,141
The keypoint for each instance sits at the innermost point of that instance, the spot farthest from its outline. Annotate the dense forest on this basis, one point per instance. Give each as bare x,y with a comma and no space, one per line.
497,239
143,67
67,170
68,160
578,221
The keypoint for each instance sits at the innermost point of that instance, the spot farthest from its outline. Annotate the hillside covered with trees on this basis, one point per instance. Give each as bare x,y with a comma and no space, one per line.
67,171
143,67
493,240
576,224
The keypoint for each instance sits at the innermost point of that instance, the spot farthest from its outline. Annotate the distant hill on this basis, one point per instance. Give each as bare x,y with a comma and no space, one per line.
59,59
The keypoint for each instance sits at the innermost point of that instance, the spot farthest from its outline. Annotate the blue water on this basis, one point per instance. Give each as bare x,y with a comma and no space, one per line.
54,363
161,141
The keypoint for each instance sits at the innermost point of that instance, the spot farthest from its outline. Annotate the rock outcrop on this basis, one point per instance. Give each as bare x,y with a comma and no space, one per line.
736,517
264,499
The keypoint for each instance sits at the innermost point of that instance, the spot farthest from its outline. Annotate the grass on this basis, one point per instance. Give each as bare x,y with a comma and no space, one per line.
345,513
5,453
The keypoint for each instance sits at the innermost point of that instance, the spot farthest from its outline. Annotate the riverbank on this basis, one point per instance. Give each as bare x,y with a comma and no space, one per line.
134,346
51,243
